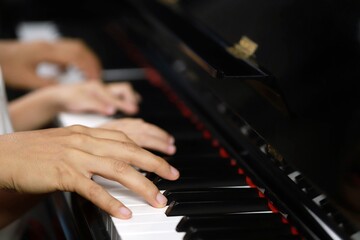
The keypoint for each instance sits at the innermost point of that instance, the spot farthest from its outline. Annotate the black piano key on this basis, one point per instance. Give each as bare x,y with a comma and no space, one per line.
194,148
208,172
239,234
203,166
196,182
280,229
216,207
187,135
171,123
213,194
197,161
267,220
195,164
185,163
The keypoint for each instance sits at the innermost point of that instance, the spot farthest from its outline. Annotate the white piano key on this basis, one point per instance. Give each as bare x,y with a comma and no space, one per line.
146,209
106,183
85,119
147,218
116,192
121,192
154,236
154,227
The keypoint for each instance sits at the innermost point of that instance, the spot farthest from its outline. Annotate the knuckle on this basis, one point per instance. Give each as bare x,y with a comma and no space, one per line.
130,146
113,205
158,164
120,167
121,134
94,191
149,189
77,128
79,138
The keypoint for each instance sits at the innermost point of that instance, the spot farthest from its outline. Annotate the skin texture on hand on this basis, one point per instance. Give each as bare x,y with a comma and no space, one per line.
65,159
19,61
144,134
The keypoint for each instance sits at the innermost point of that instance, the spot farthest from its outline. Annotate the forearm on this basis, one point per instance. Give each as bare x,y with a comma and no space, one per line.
13,205
34,110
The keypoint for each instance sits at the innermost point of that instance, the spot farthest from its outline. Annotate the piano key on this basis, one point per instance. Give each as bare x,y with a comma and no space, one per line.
153,236
183,163
216,207
200,182
147,218
146,228
218,169
238,234
242,220
145,209
215,194
194,148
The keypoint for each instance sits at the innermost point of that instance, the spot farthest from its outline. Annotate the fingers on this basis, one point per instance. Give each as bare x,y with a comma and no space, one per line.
99,133
121,172
123,149
118,168
152,137
129,177
144,134
122,104
154,143
101,198
94,105
125,92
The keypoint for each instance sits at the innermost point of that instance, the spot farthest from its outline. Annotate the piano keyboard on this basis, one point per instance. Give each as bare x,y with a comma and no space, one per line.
212,198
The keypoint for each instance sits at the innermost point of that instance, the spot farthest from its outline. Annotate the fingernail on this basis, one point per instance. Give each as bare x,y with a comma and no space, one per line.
125,212
174,171
161,199
171,149
172,140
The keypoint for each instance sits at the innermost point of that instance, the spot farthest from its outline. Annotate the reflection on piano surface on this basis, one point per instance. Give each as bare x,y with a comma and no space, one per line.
259,137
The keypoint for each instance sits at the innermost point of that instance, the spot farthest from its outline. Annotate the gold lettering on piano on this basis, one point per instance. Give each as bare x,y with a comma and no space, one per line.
274,153
244,49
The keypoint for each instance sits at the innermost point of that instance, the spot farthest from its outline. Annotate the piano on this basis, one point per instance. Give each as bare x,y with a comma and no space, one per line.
263,109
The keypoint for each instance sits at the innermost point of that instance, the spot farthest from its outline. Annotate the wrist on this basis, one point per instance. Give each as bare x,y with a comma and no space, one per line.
53,97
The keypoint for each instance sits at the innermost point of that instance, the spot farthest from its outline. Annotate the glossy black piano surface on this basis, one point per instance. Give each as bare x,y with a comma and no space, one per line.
296,108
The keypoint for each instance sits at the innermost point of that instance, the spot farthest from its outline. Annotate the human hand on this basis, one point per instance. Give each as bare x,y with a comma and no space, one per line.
144,134
66,158
19,61
96,97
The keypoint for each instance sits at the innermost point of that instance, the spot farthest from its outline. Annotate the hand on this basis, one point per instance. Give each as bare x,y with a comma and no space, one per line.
19,60
144,134
66,158
97,97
